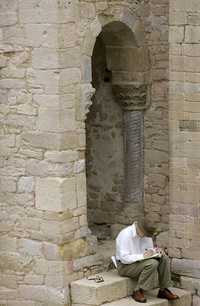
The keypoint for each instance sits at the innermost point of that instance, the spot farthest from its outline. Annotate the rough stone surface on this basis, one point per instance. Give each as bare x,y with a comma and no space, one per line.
186,267
62,145
196,300
55,194
84,291
112,291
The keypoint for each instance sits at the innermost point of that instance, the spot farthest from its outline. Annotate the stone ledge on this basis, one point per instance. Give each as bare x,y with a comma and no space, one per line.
186,267
88,292
152,300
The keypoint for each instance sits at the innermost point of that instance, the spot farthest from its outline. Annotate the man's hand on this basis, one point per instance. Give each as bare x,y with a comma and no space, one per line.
160,250
148,253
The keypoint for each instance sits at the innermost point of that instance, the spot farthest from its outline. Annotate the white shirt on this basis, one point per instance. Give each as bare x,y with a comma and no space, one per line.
130,247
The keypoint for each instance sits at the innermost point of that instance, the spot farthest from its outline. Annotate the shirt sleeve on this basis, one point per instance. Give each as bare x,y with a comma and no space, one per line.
127,258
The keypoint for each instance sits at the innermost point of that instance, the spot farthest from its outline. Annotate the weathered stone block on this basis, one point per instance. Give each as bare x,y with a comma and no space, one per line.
25,184
8,294
176,34
79,166
7,184
44,12
47,141
69,76
51,251
70,57
14,262
87,10
55,194
27,109
43,294
69,140
41,35
8,5
86,292
190,284
67,35
192,34
177,18
101,5
193,18
52,141
81,189
41,266
46,81
8,281
55,101
44,168
61,156
75,249
3,61
8,18
20,303
30,247
88,261
45,58
20,120
8,244
196,300
10,72
70,226
186,267
12,83
34,153
52,119
32,279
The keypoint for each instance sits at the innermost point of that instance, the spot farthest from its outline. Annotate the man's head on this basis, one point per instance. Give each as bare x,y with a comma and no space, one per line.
140,229
143,230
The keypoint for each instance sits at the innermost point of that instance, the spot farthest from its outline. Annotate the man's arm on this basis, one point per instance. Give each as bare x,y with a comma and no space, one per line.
127,258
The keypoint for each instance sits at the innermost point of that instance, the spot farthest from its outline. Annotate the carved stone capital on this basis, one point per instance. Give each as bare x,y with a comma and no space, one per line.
131,96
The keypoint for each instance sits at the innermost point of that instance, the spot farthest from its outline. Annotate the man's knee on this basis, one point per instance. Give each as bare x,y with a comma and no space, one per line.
152,264
164,259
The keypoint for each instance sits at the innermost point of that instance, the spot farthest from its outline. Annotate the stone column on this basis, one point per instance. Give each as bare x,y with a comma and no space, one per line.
133,99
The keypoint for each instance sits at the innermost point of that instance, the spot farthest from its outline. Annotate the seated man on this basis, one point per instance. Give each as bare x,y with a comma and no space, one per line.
133,255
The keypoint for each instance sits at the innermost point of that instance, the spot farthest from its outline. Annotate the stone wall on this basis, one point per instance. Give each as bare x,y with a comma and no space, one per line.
184,130
42,180
45,92
156,117
184,106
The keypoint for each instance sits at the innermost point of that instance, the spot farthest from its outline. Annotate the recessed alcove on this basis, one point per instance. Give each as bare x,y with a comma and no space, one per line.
116,59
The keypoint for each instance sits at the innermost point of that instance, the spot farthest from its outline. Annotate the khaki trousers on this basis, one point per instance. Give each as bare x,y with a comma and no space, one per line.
150,273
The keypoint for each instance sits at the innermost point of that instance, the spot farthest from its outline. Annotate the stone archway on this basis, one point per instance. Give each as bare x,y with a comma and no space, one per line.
115,130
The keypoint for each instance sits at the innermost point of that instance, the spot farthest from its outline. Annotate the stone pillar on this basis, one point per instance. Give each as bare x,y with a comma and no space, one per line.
133,99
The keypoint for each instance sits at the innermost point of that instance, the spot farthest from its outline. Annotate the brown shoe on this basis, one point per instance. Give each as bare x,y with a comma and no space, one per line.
138,296
167,294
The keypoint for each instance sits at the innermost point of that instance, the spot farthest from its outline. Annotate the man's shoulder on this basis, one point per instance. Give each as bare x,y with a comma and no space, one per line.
125,231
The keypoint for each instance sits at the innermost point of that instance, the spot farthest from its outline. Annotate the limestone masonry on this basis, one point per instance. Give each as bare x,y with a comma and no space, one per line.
99,125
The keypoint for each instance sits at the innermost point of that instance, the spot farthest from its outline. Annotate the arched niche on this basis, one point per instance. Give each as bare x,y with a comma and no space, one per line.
118,64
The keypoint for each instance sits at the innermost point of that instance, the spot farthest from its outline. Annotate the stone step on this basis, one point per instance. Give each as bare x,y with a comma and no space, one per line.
113,288
184,300
115,291
151,301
